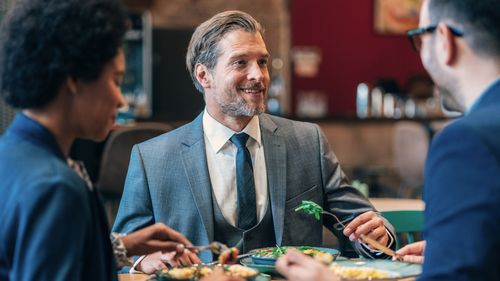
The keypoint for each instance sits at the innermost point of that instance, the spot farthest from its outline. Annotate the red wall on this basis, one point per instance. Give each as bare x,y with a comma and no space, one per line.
352,52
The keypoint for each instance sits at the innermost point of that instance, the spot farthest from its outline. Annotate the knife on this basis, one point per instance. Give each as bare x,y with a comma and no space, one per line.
377,245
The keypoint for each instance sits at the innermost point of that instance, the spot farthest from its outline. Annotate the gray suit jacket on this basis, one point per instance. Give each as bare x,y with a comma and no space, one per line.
168,181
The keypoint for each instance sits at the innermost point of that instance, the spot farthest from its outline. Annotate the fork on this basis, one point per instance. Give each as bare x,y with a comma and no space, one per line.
215,247
327,213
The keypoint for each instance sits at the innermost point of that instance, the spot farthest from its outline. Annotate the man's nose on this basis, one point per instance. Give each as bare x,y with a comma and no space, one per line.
257,72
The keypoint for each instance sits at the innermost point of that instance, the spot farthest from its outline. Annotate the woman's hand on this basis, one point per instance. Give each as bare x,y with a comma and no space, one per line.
157,237
159,260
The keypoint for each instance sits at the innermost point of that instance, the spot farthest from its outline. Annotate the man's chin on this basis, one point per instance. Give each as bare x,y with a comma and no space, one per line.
249,111
451,105
257,109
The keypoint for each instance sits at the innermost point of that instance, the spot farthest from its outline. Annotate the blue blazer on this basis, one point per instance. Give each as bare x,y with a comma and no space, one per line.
168,181
462,196
52,227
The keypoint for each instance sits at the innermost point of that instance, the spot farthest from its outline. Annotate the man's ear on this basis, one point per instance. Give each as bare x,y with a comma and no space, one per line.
447,49
203,75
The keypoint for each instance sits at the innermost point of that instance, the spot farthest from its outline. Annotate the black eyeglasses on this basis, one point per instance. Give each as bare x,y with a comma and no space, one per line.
416,41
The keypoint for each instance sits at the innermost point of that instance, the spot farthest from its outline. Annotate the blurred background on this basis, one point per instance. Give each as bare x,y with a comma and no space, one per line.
345,65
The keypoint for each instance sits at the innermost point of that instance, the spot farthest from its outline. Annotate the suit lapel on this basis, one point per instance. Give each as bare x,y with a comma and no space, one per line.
194,159
275,154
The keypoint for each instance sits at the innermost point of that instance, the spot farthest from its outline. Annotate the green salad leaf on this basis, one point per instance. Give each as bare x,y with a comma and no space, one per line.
311,208
276,252
279,250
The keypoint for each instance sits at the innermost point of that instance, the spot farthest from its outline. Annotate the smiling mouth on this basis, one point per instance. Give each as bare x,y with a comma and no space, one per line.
252,91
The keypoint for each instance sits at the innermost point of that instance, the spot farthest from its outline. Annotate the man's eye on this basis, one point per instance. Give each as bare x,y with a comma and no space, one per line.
241,62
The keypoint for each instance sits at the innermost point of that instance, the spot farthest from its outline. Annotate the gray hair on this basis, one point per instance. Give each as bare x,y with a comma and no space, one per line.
204,46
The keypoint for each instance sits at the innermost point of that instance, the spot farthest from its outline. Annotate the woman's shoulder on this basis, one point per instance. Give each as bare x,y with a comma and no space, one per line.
29,172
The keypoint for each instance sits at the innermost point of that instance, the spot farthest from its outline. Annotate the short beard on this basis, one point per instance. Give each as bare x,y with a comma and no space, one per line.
239,107
235,106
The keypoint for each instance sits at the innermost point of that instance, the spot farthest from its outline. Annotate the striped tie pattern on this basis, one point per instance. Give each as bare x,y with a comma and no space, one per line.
247,210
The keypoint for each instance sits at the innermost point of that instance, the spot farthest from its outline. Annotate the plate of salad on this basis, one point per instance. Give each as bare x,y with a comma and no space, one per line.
268,256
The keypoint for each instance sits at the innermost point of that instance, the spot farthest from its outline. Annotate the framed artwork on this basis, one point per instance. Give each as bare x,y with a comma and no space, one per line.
396,16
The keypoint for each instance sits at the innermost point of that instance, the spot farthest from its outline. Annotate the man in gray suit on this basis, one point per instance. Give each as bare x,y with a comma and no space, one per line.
193,179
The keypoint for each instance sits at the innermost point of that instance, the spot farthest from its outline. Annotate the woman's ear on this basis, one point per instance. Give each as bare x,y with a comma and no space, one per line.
203,75
71,84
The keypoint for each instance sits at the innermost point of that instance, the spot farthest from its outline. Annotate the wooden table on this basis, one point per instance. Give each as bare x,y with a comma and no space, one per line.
133,277
397,204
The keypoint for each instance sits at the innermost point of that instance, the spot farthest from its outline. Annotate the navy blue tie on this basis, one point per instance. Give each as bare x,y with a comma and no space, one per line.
247,210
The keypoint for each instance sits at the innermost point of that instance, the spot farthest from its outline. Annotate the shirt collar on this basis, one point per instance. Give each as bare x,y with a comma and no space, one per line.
218,134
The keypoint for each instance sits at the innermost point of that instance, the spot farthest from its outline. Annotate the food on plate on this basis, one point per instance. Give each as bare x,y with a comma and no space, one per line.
229,256
273,252
323,256
178,272
354,272
242,271
204,271
197,272
234,270
276,252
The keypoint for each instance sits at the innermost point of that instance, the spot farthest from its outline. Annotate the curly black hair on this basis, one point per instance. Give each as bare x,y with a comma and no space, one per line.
42,42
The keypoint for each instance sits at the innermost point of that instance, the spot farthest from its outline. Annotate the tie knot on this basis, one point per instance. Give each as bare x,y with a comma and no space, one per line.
240,140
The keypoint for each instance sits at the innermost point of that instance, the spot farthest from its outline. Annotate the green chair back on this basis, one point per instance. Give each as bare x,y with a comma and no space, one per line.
407,222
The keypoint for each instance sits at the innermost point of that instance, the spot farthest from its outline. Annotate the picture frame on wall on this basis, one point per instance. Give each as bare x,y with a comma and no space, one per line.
394,17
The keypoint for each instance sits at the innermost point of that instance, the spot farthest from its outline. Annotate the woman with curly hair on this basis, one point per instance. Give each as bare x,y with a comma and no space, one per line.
61,63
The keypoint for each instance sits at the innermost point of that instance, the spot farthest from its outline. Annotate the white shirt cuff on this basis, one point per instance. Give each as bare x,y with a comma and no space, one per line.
132,269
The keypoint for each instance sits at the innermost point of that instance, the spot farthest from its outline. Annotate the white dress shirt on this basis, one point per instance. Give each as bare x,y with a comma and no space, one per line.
221,158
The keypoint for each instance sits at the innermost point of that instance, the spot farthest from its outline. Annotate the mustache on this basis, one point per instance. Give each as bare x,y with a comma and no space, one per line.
259,86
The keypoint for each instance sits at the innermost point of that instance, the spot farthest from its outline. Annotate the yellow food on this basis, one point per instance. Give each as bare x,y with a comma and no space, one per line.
229,256
308,251
240,270
325,257
182,273
204,271
363,272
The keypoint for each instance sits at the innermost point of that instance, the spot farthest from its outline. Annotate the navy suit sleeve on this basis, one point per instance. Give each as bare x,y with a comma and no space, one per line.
48,228
462,195
136,211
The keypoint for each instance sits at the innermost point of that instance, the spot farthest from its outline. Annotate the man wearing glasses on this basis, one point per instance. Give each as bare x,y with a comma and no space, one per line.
459,44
